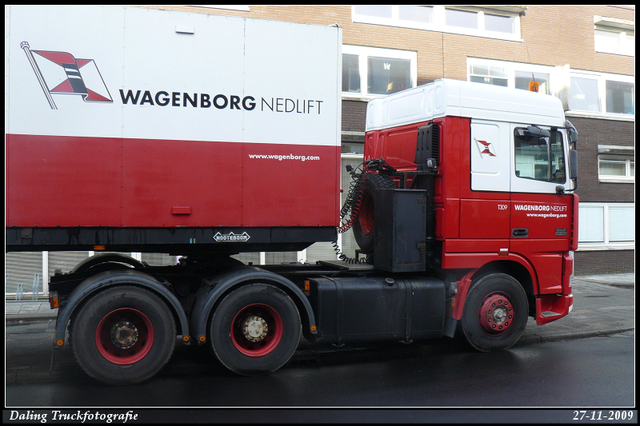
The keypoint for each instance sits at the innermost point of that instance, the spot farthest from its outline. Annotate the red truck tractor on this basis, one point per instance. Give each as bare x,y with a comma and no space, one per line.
463,208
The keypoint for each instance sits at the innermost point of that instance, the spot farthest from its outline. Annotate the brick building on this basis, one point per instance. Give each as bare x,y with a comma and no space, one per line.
584,55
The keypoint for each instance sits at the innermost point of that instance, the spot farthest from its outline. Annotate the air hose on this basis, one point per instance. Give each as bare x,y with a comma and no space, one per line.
351,206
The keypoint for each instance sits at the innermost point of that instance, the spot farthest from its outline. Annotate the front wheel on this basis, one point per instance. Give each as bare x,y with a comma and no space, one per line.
495,313
255,329
123,335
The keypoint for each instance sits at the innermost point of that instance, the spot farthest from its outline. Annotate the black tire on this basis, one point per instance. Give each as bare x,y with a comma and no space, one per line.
489,329
123,335
271,325
364,226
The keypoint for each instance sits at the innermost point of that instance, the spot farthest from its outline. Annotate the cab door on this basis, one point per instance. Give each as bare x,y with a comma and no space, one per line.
484,211
540,210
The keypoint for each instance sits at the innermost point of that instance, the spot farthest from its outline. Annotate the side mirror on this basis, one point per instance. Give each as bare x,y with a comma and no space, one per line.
573,164
571,132
573,136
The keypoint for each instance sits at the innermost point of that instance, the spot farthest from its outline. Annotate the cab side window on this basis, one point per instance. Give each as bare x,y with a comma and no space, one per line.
539,157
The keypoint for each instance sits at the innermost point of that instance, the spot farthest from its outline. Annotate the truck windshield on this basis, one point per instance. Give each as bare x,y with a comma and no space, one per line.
540,158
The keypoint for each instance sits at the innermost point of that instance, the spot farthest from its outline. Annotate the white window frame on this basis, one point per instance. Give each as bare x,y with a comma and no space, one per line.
511,68
620,27
621,154
364,53
560,84
601,79
606,244
439,23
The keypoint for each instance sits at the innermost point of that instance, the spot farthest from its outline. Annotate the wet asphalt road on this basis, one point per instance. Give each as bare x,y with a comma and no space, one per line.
590,372
556,372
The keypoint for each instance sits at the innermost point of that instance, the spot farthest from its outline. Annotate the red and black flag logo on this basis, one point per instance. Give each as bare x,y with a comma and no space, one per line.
485,148
62,73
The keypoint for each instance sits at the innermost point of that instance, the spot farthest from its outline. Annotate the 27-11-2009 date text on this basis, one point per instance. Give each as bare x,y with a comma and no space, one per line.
603,415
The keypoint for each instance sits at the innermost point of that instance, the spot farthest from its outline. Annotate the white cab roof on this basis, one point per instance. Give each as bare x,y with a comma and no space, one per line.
447,97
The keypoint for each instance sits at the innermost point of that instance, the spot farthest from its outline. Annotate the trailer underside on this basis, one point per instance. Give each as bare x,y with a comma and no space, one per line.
174,240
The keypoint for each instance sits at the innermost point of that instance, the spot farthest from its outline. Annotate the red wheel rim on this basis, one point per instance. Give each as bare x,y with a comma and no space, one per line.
365,215
496,313
256,330
124,336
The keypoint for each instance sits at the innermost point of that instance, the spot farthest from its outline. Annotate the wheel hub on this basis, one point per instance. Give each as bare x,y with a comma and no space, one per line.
124,334
496,314
254,328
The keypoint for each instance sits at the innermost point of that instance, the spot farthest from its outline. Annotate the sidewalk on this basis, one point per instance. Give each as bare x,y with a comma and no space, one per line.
23,311
602,305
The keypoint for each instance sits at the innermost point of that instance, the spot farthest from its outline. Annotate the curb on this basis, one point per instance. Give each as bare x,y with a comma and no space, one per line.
21,320
533,339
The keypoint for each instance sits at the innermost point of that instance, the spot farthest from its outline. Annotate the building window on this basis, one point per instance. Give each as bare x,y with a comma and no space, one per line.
386,75
369,71
423,14
621,224
606,226
501,22
620,97
619,43
350,73
616,164
601,93
522,79
615,36
509,74
591,224
588,92
356,148
584,94
461,18
374,11
490,74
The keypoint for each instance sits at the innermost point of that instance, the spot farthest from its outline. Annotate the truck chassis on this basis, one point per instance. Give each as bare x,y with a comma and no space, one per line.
125,317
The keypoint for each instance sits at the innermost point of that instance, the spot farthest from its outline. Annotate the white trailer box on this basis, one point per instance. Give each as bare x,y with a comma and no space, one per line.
137,117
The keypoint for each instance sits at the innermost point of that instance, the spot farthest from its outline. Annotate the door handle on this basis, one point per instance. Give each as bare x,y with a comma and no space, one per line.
520,232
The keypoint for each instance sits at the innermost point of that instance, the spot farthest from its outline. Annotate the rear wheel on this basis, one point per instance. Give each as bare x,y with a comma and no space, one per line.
255,329
495,312
364,226
123,335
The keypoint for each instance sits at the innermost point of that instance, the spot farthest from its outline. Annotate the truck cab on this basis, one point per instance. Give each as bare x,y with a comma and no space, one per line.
499,169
